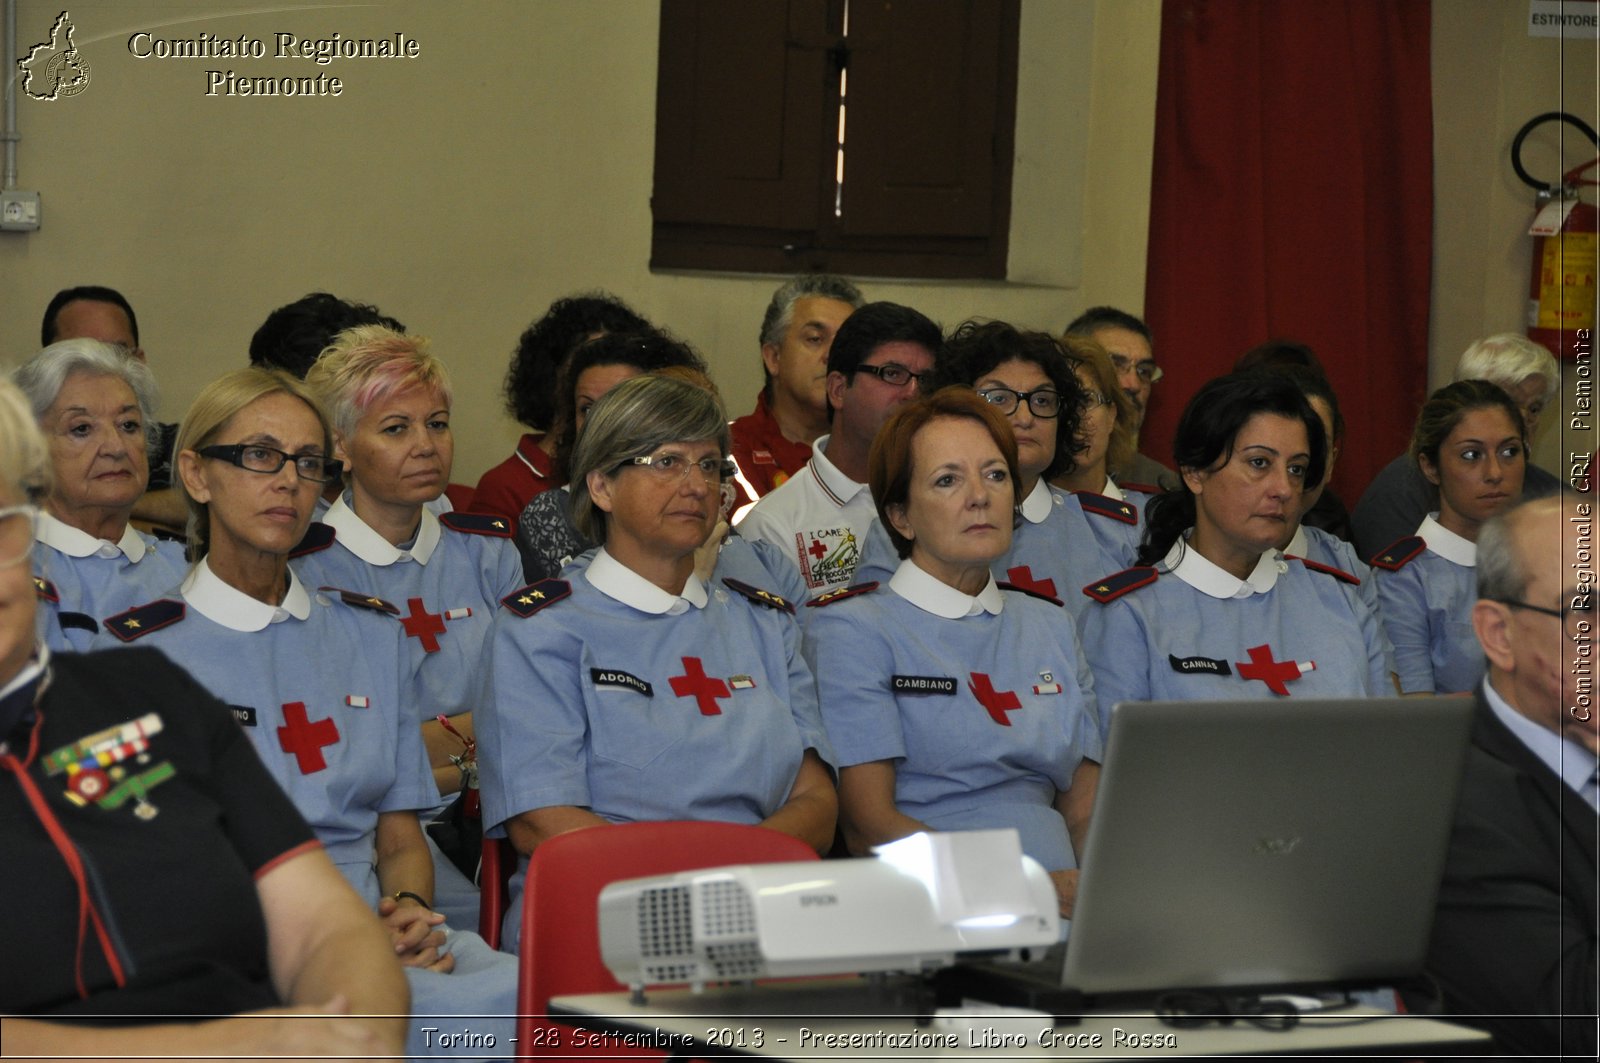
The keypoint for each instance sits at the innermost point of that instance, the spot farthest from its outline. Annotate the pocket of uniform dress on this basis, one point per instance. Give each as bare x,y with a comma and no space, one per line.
629,721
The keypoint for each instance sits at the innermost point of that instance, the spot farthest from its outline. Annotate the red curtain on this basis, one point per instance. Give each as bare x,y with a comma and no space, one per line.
1292,198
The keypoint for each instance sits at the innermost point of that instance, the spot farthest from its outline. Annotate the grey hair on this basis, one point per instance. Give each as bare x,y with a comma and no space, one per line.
24,457
630,421
42,377
1501,576
780,311
1508,359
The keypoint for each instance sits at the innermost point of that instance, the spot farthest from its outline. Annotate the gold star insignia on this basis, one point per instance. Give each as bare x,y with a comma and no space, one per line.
130,623
499,525
374,601
525,600
1102,588
539,595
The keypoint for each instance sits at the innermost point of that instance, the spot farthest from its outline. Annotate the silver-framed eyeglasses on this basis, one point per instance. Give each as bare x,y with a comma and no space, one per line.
18,527
1149,372
894,374
1042,402
254,457
1091,398
671,466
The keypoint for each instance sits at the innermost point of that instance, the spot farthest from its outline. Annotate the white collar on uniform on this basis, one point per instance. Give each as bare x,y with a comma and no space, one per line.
1299,544
358,537
939,598
1040,501
1111,490
62,536
615,580
1446,543
236,610
835,484
1209,578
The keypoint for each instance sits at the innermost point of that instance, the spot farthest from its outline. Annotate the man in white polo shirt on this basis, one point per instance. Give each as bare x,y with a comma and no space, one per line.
819,517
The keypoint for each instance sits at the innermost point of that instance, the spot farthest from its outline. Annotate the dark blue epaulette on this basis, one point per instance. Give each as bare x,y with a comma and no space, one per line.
1106,506
1318,566
477,524
1398,554
361,601
1115,586
143,619
1030,592
759,596
46,590
81,621
318,536
535,596
839,594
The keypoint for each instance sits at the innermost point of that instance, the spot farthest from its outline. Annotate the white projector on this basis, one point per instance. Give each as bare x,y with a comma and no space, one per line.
919,904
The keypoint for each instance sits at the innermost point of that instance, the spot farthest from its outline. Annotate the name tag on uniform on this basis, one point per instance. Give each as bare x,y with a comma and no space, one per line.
1199,664
924,684
608,677
244,714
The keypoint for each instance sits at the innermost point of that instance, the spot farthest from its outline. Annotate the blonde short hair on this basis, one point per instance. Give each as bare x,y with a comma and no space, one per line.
24,457
367,364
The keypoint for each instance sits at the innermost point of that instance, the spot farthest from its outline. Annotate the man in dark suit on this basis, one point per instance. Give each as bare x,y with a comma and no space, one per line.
1513,947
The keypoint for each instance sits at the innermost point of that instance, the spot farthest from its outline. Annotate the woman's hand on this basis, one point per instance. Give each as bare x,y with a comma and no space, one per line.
417,934
1066,884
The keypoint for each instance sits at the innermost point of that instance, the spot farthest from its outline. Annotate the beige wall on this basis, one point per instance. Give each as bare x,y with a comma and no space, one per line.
510,164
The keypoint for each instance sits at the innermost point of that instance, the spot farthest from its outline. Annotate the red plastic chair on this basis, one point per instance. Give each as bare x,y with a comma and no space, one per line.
495,868
560,951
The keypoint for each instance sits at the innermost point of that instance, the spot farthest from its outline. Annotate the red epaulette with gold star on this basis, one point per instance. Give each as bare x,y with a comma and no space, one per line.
839,594
46,590
362,601
535,596
1115,586
1106,506
318,536
477,524
143,619
1318,566
1030,592
759,596
1398,554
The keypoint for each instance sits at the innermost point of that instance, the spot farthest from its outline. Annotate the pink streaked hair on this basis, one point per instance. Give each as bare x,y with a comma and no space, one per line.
369,363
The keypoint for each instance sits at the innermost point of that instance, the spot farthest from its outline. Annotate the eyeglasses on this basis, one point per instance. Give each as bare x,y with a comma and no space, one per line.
1564,614
669,466
1187,1010
18,525
1042,402
893,373
1092,399
253,457
1149,372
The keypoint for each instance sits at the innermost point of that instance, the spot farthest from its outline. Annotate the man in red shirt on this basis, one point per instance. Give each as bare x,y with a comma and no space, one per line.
773,441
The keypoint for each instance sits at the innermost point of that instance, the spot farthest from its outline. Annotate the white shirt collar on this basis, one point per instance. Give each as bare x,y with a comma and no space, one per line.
1111,490
1298,545
236,610
1446,543
939,598
1208,578
1562,755
358,537
35,665
59,535
1040,501
835,484
615,580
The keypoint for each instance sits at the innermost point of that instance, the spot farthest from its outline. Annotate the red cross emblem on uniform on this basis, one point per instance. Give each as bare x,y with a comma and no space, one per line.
1273,673
1022,576
816,549
305,739
423,625
694,683
996,702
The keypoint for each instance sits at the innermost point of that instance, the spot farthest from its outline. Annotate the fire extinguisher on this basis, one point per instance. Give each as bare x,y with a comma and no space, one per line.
1566,236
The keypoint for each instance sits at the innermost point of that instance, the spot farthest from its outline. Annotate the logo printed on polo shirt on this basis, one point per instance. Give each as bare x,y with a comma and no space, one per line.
827,555
611,677
924,684
1199,664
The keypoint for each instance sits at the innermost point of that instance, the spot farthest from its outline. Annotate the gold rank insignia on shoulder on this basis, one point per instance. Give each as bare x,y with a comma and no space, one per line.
839,594
361,601
759,596
1397,555
46,590
536,596
1115,586
1106,506
141,620
477,524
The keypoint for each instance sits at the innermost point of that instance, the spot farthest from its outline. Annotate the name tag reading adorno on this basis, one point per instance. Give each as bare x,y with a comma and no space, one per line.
924,684
606,677
244,714
1199,664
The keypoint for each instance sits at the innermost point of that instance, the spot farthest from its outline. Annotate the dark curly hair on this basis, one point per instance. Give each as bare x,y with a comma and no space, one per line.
646,350
977,348
543,348
294,335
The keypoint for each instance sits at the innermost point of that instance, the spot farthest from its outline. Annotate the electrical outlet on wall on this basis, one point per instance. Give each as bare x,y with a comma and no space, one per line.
19,211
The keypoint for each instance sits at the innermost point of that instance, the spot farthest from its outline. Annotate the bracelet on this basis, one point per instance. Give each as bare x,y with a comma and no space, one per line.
398,897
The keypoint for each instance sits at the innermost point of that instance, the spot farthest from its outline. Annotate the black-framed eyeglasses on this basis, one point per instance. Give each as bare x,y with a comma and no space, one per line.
1149,372
1191,1009
1563,614
893,373
1042,402
253,457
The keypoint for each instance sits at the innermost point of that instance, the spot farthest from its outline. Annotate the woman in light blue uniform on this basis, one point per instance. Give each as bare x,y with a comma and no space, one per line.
320,681
1470,444
637,691
1106,440
96,408
954,704
1215,610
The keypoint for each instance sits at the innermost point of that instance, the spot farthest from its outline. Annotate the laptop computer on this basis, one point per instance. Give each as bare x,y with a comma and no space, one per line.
1256,845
